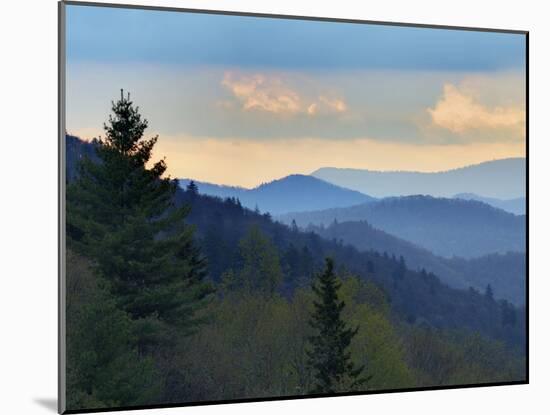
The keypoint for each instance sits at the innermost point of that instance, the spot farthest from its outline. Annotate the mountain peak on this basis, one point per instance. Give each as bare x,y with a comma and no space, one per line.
289,193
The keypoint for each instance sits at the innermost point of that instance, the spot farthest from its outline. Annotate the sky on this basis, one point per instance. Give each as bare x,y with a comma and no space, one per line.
246,100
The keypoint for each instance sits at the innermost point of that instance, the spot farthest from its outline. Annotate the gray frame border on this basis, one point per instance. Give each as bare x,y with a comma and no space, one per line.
61,200
61,176
289,17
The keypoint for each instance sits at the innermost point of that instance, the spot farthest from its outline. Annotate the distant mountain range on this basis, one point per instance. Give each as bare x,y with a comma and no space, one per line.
516,206
504,272
291,193
220,225
502,179
446,227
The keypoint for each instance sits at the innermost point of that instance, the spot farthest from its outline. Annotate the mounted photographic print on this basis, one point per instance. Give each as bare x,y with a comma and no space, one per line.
258,207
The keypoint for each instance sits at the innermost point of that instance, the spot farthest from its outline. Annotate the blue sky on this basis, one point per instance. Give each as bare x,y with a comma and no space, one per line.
128,35
219,88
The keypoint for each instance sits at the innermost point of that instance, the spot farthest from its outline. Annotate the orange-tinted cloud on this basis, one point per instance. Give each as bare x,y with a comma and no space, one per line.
459,111
271,94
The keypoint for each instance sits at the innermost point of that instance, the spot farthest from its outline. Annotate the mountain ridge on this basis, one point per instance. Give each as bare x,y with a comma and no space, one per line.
292,192
516,206
467,166
502,179
446,227
504,272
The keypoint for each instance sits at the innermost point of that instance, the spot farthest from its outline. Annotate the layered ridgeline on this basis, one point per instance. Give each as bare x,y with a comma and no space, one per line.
418,298
291,193
505,273
446,227
501,179
516,206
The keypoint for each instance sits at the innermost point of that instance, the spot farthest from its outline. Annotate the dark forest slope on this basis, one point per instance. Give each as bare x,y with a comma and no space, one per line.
504,272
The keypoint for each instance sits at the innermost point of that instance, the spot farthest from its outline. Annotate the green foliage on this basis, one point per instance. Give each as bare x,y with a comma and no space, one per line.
249,350
120,213
329,357
261,269
445,357
377,346
256,346
103,365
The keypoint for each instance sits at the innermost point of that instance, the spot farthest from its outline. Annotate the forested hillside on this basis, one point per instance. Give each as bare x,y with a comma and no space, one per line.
175,296
446,227
504,272
415,296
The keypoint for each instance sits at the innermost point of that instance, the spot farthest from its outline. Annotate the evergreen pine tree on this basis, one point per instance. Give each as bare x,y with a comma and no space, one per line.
489,293
120,213
103,365
192,188
328,356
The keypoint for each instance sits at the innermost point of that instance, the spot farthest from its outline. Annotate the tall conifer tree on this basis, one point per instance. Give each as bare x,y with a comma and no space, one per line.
120,213
329,357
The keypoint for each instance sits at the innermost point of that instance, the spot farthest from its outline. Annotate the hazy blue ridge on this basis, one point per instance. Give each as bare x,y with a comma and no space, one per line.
502,179
446,227
516,206
291,193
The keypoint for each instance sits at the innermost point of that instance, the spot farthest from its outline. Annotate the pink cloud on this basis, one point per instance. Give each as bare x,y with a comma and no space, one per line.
271,94
459,111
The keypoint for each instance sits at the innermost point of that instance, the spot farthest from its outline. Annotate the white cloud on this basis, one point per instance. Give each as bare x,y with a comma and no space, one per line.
266,93
459,110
